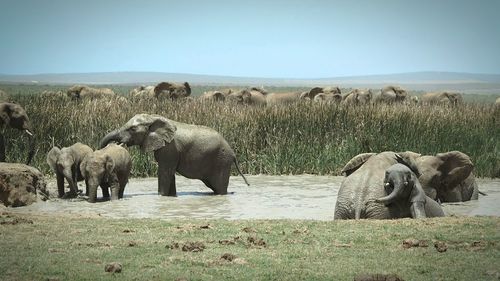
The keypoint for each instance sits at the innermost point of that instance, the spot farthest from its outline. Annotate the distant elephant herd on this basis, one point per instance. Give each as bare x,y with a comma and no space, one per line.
382,185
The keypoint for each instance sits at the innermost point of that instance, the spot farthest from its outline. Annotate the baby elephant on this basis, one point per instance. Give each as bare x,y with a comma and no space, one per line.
405,192
65,162
108,167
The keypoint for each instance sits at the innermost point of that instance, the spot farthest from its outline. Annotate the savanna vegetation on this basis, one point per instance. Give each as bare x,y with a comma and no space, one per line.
301,138
75,248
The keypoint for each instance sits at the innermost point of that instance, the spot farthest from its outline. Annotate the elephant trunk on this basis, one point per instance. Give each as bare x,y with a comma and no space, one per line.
386,200
113,136
92,188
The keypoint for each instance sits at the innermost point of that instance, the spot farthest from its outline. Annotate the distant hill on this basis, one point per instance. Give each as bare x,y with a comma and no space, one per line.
427,81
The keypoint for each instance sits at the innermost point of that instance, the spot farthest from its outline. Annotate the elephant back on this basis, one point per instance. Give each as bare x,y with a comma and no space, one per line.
355,163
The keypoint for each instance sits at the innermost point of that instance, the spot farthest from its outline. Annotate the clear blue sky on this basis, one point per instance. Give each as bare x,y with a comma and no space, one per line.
301,39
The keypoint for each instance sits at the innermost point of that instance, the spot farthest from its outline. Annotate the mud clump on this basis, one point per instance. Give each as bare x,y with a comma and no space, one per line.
378,277
254,241
16,221
21,185
228,257
113,267
441,247
413,243
193,247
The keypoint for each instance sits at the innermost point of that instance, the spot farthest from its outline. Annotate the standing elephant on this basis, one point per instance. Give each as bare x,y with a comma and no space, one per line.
14,116
358,97
172,91
443,98
108,167
65,163
391,94
311,94
85,92
376,188
194,151
327,98
248,97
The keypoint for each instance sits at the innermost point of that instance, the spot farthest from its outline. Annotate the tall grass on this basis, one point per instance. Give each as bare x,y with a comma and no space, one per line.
301,138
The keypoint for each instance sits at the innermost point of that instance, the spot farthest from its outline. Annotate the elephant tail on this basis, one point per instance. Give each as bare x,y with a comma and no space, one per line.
482,193
239,171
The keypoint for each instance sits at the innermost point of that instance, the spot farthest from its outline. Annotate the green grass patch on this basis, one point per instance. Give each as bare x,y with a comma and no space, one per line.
75,248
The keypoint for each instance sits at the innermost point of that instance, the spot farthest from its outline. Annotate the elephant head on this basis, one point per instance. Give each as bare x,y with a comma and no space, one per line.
403,188
14,116
442,175
213,96
150,132
75,91
172,90
454,98
326,90
394,94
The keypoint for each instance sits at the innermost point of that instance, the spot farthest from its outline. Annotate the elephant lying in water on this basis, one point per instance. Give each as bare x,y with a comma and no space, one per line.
370,177
194,151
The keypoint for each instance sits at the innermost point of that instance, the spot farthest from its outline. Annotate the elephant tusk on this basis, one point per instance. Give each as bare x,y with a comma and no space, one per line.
387,184
28,132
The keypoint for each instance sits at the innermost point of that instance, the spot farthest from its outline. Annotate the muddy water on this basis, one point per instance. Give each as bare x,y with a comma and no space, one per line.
268,197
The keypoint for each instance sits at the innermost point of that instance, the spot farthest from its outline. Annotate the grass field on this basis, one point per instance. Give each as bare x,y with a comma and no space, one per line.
73,248
295,139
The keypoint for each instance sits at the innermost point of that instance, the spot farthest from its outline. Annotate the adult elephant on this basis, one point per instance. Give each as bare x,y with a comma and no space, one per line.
391,94
213,96
248,97
14,116
443,98
142,92
65,163
358,97
86,92
172,91
376,189
109,168
194,151
331,90
328,98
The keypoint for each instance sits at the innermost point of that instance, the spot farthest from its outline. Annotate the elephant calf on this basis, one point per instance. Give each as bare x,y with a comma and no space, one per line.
108,167
65,163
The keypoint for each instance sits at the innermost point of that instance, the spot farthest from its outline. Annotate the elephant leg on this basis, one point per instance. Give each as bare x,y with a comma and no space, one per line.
2,148
86,188
417,210
60,184
219,182
105,190
166,182
115,191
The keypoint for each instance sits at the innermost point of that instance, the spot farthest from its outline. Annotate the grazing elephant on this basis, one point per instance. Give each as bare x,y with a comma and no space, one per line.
327,98
277,99
213,96
248,97
443,98
65,163
358,97
14,116
142,92
108,167
194,151
391,94
172,91
363,193
311,94
85,92
447,177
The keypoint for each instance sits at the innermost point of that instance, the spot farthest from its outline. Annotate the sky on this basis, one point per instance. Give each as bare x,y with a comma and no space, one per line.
288,39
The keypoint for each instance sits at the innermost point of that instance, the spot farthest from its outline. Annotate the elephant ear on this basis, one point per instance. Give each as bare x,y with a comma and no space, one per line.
160,133
219,96
455,168
314,91
408,161
246,95
355,163
83,165
5,114
161,87
109,164
52,157
188,88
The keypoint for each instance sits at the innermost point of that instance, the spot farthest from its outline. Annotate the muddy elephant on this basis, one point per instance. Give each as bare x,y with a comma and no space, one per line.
391,94
442,98
447,177
194,151
108,167
247,97
78,92
213,96
14,116
358,97
172,91
376,188
65,163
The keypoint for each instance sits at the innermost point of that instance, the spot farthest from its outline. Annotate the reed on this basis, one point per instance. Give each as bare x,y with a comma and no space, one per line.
294,139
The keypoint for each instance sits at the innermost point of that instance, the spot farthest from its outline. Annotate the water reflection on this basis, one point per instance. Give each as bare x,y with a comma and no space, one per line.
268,197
